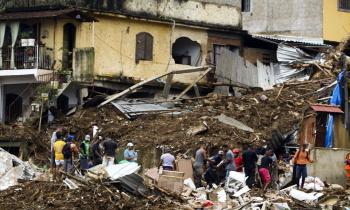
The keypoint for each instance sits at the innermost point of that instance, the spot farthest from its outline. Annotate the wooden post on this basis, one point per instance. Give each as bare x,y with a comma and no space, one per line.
41,113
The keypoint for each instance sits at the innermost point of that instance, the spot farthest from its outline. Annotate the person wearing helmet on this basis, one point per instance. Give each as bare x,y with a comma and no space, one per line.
129,153
85,154
109,147
238,160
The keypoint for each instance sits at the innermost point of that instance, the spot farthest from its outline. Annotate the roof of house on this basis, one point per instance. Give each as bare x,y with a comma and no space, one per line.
326,108
68,13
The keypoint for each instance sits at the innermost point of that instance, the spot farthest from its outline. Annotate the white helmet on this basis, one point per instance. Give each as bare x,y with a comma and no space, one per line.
87,137
130,144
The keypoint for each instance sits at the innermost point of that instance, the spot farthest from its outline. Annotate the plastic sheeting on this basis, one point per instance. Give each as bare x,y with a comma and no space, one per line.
336,99
120,170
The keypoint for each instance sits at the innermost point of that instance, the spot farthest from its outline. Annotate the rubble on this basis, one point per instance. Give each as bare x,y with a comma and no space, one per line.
13,169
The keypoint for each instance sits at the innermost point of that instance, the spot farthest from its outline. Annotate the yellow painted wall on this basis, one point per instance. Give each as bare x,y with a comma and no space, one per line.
336,24
114,41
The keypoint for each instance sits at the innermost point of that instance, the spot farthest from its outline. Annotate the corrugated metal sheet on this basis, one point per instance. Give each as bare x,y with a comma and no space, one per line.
297,39
135,108
289,54
326,108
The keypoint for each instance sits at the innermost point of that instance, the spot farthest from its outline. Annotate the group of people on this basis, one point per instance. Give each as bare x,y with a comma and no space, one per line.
258,162
66,155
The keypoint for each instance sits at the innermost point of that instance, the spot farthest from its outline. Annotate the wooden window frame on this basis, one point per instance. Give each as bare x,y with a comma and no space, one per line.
144,47
246,5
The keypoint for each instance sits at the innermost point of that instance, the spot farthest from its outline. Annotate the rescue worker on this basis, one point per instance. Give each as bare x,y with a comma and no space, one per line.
301,159
238,160
59,158
167,160
211,175
109,147
198,166
129,153
85,154
347,167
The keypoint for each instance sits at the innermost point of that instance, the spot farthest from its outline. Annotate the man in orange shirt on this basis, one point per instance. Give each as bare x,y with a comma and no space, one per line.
301,159
347,167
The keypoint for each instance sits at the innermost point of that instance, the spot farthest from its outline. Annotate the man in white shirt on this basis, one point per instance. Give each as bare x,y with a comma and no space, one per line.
167,160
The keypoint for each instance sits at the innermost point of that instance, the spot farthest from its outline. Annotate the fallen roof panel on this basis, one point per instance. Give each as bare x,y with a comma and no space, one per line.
135,108
296,39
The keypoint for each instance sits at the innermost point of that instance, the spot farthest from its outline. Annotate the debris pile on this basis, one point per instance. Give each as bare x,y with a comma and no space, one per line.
13,169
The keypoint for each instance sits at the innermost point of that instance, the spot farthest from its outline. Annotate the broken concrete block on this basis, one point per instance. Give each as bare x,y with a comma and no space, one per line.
189,183
192,131
280,206
242,191
302,196
234,123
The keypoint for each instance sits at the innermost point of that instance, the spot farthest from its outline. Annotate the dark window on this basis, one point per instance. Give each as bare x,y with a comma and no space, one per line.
344,5
245,5
144,47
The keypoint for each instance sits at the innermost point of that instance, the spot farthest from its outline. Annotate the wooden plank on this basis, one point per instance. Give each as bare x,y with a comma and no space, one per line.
134,87
185,165
193,83
174,173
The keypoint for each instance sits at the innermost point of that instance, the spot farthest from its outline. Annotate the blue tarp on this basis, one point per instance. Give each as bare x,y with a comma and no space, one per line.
336,99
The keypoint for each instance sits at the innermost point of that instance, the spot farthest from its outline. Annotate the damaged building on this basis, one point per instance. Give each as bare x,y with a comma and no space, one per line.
71,45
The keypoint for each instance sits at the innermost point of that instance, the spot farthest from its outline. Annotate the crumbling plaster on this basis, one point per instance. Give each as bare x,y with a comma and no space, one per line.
204,12
286,17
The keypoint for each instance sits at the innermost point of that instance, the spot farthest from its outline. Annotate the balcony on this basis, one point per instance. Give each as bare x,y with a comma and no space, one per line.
21,5
25,64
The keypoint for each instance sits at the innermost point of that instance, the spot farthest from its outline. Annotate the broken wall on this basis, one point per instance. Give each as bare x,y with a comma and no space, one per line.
115,44
328,165
285,17
232,68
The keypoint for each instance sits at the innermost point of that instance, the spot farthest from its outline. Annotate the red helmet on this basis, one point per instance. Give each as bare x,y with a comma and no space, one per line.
236,151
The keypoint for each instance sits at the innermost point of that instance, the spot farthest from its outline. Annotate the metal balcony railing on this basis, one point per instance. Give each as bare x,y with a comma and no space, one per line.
32,57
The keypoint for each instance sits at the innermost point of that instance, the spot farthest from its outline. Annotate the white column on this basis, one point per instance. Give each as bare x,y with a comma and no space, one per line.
2,103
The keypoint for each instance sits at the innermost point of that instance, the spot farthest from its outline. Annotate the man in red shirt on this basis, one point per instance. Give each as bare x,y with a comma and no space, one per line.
238,160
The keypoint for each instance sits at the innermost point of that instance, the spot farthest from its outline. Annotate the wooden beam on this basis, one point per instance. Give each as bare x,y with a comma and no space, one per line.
193,83
134,87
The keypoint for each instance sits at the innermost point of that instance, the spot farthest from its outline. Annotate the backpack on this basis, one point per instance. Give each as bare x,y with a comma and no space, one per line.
67,151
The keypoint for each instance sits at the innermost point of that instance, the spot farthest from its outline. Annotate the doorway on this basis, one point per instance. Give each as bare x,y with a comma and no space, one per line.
13,107
69,33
